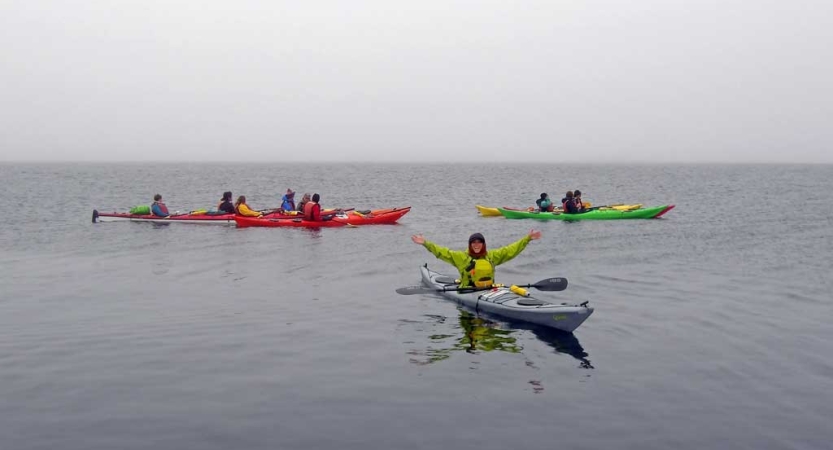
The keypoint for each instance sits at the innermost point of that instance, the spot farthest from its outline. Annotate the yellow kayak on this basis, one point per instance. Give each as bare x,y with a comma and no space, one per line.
487,211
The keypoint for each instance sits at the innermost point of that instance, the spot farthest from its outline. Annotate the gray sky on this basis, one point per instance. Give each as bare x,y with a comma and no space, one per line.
551,81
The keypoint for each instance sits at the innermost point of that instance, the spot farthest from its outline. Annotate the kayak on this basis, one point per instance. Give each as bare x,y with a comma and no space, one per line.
350,218
487,211
502,301
596,214
199,218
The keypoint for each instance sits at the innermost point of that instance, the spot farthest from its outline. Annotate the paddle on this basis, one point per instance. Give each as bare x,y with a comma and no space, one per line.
336,210
175,214
547,285
333,218
603,206
326,211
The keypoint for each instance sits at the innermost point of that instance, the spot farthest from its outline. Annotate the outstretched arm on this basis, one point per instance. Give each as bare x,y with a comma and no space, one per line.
504,254
453,257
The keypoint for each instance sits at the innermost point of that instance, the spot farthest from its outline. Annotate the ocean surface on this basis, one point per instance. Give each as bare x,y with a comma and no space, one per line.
712,326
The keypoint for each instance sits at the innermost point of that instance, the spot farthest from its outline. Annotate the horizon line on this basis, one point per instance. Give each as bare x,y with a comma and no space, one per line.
354,162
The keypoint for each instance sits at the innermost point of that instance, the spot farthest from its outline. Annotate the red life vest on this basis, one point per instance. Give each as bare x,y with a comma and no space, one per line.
162,208
312,211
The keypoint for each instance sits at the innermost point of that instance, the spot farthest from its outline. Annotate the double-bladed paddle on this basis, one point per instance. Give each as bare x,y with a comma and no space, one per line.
327,211
547,285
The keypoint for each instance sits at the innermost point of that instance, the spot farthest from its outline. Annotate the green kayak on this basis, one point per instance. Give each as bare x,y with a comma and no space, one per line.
596,214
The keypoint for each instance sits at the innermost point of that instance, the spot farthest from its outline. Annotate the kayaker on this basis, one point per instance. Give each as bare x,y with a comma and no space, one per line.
568,204
288,200
226,205
240,207
476,264
312,210
577,201
304,200
544,203
158,207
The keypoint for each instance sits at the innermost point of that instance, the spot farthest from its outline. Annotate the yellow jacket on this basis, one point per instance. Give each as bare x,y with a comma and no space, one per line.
243,210
461,259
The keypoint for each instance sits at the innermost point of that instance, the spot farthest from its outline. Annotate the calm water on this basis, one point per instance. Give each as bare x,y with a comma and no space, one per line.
712,326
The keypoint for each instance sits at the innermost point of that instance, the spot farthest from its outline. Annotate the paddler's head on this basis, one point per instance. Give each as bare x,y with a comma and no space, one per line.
477,245
316,197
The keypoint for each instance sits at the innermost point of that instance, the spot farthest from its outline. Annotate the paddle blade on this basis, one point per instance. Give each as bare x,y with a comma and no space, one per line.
414,290
550,284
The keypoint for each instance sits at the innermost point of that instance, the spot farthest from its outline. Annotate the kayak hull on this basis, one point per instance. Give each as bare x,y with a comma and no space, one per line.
505,303
201,219
596,214
246,222
488,211
377,217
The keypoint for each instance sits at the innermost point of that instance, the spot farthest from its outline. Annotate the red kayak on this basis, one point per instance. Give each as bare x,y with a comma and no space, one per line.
350,218
201,217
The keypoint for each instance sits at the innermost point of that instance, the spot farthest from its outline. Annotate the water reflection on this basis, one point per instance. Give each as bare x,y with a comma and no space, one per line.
483,335
313,232
563,342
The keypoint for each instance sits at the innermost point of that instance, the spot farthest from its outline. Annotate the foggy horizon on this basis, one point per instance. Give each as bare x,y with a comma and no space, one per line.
417,82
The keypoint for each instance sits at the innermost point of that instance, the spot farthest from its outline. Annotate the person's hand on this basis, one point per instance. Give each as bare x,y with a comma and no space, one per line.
534,234
420,239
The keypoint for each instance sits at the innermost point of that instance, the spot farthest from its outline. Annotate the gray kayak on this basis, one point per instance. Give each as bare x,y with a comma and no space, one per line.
503,302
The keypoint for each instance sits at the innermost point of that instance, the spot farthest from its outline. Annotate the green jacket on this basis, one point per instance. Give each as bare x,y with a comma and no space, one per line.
461,259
